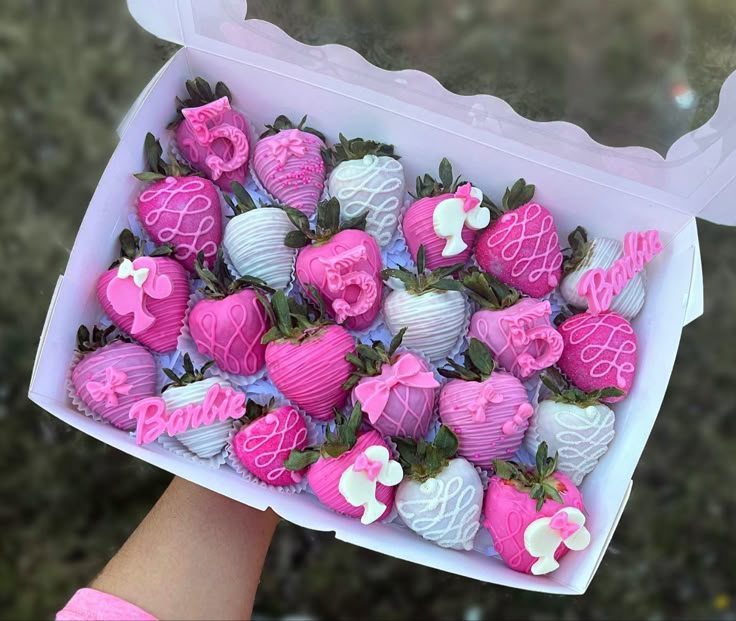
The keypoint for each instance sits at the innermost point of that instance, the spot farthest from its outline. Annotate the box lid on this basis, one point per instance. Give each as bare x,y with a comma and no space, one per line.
697,177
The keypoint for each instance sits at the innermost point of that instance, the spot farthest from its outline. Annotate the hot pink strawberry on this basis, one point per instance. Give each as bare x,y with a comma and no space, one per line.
522,248
145,296
228,326
534,515
305,357
211,136
179,208
288,162
112,375
445,219
350,473
600,351
342,263
265,443
488,410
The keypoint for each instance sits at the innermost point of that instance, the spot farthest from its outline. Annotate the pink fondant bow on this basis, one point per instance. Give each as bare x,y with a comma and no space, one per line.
109,390
469,201
286,145
373,393
487,395
523,414
371,467
561,523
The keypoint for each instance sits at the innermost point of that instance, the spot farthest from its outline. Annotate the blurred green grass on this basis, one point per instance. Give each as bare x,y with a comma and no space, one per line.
70,70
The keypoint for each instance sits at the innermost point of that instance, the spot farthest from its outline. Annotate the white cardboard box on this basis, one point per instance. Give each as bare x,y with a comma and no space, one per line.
609,191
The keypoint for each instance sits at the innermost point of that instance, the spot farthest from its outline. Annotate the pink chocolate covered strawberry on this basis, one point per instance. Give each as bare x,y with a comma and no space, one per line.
445,218
396,390
518,331
230,322
305,356
342,262
600,351
179,208
522,248
288,162
488,410
145,296
534,515
267,439
351,473
210,135
112,375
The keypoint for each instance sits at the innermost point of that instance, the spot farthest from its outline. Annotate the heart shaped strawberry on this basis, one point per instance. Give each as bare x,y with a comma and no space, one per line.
396,390
600,351
488,410
342,263
288,162
350,473
522,248
229,324
112,375
445,218
179,208
145,296
210,136
267,440
305,356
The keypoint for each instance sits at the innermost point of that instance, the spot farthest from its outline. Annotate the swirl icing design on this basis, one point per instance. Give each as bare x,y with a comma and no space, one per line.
111,379
230,331
600,351
373,185
290,167
446,508
185,212
266,443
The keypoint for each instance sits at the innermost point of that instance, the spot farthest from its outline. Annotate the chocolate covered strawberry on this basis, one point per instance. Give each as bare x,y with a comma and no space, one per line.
112,375
341,261
305,356
351,473
518,331
267,439
600,351
254,239
210,135
179,208
441,496
487,409
445,218
535,514
367,178
521,247
397,391
230,322
288,162
145,296
430,305
576,425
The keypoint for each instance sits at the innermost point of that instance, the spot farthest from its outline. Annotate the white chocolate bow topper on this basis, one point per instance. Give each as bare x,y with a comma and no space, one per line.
453,214
358,483
543,536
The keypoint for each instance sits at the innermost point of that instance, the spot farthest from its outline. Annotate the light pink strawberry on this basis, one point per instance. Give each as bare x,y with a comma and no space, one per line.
112,376
522,247
179,208
152,313
599,351
263,444
288,162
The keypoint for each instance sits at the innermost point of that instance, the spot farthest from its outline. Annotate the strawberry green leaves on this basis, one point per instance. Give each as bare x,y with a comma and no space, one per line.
87,342
564,392
283,122
369,359
132,247
422,460
538,482
293,320
219,283
487,291
478,364
157,168
190,375
429,186
578,250
421,281
200,93
356,149
243,202
327,225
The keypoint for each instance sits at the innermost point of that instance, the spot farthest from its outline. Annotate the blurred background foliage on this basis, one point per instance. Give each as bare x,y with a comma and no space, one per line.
629,72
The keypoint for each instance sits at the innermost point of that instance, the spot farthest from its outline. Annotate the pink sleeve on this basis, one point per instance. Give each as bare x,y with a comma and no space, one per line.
91,605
